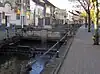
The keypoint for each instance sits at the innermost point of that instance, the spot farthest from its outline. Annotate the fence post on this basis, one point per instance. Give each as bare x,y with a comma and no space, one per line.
58,46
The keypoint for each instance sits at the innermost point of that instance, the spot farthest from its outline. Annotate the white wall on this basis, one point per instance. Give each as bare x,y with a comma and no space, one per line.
38,12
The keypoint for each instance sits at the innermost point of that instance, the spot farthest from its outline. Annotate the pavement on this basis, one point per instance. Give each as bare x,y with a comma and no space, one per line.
83,57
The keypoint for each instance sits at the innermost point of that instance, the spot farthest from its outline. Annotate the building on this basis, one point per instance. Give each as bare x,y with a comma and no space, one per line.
12,10
43,13
22,9
1,8
49,14
37,10
61,16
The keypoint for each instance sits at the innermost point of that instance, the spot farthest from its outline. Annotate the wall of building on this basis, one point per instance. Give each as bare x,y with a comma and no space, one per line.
9,8
61,14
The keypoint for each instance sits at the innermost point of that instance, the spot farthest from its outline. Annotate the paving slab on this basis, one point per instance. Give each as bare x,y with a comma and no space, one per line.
83,57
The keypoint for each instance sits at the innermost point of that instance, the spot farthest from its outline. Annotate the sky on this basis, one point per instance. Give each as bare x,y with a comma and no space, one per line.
63,4
66,4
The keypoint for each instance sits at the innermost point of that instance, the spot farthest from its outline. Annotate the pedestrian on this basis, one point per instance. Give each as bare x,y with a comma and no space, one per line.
13,27
92,27
86,25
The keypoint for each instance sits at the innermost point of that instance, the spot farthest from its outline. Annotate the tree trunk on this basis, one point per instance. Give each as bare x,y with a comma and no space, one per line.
89,24
85,22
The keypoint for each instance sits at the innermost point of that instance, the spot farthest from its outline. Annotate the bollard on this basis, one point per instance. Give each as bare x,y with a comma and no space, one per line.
57,56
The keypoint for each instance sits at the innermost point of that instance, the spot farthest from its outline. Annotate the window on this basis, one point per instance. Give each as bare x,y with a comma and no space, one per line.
18,16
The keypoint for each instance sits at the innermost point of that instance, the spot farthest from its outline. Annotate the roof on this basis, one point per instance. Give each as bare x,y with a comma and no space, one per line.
48,3
38,2
42,4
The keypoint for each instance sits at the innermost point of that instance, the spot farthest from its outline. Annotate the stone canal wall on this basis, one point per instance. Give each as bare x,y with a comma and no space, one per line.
13,66
50,34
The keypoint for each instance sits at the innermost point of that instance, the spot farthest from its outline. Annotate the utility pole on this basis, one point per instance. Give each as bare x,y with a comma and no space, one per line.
96,36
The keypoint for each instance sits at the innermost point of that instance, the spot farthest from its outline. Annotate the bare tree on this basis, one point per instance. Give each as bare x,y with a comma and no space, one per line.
74,13
86,5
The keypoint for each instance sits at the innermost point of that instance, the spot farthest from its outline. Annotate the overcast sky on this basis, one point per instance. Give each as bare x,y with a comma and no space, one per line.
66,4
63,4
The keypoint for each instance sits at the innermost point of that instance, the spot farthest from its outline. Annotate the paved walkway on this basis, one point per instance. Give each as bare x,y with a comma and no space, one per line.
83,56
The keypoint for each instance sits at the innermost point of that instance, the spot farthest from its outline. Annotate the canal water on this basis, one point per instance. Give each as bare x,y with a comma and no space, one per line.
12,64
39,65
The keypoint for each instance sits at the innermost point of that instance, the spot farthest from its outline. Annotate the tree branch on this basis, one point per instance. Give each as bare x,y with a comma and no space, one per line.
83,6
78,12
74,14
88,3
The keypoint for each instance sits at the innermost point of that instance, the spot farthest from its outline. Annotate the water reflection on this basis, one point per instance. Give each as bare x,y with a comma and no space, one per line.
39,65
